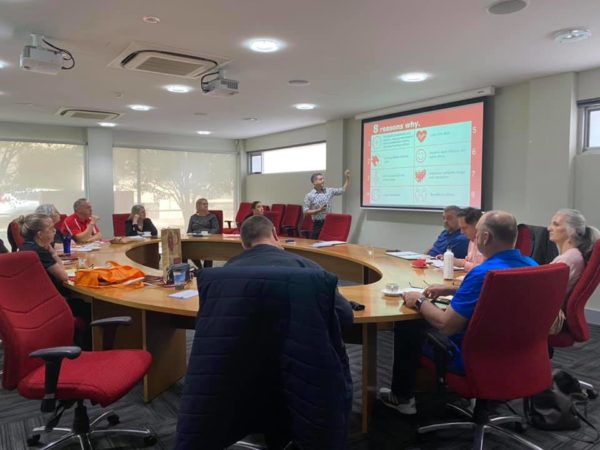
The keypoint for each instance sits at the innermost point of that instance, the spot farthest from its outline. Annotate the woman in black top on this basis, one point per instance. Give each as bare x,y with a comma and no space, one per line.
38,231
138,223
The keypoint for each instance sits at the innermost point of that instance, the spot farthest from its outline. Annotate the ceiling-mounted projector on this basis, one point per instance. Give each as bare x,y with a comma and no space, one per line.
220,87
36,58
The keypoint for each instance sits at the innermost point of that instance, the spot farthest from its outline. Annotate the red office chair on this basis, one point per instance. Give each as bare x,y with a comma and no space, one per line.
576,327
119,223
307,227
524,241
37,328
278,207
15,239
336,227
243,211
505,349
59,224
275,217
289,222
219,214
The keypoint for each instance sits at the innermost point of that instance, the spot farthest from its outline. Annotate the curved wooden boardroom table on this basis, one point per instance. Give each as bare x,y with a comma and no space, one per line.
159,322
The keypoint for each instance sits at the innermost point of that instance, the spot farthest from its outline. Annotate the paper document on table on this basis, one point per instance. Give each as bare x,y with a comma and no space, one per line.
184,294
327,243
439,264
407,255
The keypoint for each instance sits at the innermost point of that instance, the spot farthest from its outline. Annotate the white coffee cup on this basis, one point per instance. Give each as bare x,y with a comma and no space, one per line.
146,234
392,288
204,233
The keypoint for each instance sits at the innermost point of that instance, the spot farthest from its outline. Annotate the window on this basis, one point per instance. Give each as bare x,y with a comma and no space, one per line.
32,173
302,158
590,116
168,183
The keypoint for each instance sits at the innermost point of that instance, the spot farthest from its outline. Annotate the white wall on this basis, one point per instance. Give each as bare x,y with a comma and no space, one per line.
292,187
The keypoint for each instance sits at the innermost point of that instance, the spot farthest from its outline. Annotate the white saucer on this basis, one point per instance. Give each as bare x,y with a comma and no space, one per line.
391,294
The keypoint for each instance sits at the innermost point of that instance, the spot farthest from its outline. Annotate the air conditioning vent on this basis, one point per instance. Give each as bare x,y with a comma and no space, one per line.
152,58
89,114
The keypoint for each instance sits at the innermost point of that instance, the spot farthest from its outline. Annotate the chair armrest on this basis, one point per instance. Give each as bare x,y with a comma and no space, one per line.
228,223
109,329
53,357
439,341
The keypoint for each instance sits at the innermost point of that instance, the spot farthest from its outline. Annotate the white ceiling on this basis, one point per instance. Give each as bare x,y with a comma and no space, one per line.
350,50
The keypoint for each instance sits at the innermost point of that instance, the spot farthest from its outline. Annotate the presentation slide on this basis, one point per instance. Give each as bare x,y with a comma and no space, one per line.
424,160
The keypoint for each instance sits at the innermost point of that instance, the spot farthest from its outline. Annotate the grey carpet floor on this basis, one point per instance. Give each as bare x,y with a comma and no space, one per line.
388,429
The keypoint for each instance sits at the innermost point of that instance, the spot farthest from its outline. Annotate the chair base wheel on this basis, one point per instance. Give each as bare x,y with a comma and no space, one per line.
520,427
34,439
591,393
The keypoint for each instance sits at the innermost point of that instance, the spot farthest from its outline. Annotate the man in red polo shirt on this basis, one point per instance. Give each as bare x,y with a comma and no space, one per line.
81,225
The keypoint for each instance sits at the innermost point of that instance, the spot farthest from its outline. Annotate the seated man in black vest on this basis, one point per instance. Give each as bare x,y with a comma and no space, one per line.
262,248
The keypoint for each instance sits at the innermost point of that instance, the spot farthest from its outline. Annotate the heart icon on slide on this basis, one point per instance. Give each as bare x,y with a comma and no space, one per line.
421,135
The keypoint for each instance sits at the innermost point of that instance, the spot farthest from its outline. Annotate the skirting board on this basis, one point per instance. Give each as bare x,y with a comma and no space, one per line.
592,316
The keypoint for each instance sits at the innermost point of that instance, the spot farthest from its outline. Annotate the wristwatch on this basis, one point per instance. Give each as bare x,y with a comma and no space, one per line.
420,302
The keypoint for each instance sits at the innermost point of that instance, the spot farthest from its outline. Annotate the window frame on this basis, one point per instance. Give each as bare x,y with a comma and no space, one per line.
261,153
585,109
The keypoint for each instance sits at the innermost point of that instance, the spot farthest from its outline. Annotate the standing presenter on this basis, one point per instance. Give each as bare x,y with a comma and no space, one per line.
317,203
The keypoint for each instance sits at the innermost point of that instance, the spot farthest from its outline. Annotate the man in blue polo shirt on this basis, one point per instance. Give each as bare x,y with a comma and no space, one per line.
451,237
496,236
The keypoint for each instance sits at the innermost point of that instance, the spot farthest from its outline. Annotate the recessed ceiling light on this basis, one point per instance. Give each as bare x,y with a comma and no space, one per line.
264,45
298,82
305,106
507,7
200,114
413,77
571,35
203,132
178,88
140,107
107,124
250,119
3,64
151,19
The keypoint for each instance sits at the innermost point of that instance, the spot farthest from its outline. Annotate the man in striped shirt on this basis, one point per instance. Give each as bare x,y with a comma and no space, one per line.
317,203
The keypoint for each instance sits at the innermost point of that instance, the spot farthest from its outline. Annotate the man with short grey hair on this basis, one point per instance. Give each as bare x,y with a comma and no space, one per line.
82,225
317,203
451,237
496,236
262,248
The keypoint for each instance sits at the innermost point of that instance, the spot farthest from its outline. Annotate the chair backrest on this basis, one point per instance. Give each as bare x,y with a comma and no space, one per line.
524,243
33,314
278,207
119,223
543,249
336,227
219,214
243,211
13,233
307,226
576,325
271,370
59,224
275,217
507,337
292,216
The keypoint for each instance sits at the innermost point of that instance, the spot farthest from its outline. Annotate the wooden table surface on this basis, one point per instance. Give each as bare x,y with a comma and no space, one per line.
159,322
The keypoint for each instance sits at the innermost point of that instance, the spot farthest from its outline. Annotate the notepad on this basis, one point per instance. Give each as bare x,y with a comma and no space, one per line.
184,294
407,255
327,244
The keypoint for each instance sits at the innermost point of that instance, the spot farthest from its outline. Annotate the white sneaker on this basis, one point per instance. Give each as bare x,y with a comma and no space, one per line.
403,406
